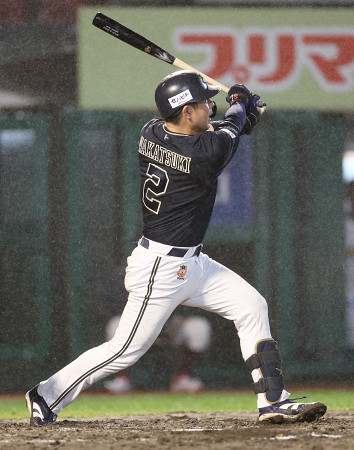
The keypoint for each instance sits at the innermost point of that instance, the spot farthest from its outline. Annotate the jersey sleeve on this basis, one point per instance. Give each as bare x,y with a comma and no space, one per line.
219,146
234,120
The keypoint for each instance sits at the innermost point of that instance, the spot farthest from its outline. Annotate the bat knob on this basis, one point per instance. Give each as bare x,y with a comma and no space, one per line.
261,106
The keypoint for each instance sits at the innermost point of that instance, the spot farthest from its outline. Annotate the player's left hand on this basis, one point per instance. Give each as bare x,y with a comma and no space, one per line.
239,93
255,109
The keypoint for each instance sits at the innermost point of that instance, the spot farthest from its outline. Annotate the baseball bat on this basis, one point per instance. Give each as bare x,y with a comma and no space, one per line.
134,39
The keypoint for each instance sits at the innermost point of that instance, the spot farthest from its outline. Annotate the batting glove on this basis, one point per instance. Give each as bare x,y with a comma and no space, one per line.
255,110
239,93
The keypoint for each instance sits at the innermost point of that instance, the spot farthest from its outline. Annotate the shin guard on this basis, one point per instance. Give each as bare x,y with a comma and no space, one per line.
267,360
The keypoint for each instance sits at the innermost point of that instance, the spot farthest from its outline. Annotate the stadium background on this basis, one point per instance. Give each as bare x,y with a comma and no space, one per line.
69,206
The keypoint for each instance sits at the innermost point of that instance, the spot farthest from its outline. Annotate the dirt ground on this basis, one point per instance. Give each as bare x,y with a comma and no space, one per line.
191,430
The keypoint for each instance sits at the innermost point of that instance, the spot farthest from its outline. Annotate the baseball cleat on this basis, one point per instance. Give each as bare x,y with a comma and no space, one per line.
291,411
39,410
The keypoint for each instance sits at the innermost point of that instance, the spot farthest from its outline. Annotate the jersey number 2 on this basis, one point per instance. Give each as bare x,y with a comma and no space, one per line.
154,186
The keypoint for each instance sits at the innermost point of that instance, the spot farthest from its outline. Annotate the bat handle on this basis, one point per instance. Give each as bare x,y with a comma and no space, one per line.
184,66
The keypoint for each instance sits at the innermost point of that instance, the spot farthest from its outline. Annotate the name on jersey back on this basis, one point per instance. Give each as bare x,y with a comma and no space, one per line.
164,156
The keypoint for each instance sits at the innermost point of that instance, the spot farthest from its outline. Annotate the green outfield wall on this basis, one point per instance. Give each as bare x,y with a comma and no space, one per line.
70,214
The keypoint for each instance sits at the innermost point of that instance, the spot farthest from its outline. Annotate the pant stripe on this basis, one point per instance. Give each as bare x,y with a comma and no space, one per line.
125,346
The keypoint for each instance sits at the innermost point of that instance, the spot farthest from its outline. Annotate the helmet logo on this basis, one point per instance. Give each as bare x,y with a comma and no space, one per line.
180,99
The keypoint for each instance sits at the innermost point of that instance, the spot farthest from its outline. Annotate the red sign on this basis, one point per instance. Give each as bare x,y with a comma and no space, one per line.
273,59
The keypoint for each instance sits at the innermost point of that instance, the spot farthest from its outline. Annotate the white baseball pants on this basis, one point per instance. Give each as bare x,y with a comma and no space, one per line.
157,284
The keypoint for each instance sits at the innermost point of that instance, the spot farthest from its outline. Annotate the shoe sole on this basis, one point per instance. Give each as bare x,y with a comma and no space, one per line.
309,414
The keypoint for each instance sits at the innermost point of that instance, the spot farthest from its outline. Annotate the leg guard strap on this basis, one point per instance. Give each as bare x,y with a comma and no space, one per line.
258,359
267,384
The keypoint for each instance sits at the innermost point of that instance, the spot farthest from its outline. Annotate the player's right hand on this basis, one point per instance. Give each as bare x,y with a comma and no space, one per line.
239,93
255,110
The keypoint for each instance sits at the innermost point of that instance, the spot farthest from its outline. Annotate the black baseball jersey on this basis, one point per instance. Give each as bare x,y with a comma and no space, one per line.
179,177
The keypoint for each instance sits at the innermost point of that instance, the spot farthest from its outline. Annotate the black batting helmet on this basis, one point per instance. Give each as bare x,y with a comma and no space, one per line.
180,88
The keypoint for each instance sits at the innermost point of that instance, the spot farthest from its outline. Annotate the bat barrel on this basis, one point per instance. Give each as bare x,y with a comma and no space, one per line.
130,37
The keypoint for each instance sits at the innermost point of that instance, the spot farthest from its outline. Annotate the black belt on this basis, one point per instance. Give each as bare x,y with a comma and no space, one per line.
175,251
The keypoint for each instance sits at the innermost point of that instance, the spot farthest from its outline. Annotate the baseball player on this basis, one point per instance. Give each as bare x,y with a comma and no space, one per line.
181,156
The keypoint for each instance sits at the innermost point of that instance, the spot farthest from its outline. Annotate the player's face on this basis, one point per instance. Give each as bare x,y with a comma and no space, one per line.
200,116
